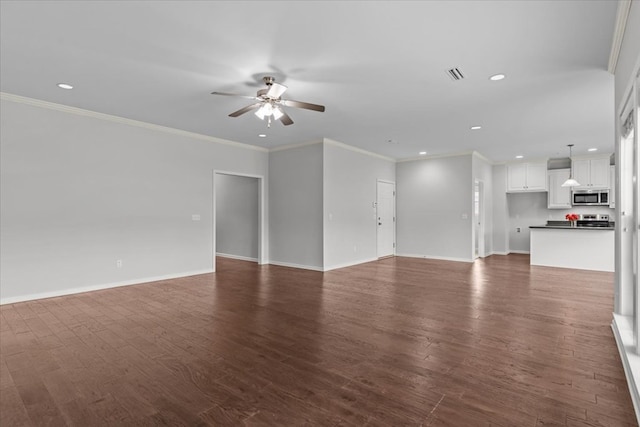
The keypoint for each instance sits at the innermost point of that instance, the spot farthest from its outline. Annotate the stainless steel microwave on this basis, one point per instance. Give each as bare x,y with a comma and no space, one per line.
590,198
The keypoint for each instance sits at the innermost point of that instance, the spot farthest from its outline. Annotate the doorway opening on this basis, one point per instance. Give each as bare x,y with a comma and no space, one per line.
478,220
238,217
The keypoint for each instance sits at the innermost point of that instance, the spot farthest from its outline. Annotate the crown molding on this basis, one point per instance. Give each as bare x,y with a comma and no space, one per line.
335,144
116,119
483,157
292,146
357,150
624,6
438,156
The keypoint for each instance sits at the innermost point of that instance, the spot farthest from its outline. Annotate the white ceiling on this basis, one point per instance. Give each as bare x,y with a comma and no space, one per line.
379,68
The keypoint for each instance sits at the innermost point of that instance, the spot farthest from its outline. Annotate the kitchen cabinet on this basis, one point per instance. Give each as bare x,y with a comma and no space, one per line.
527,177
612,187
592,174
559,197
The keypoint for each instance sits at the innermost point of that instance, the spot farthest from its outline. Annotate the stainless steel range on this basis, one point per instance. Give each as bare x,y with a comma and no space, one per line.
594,220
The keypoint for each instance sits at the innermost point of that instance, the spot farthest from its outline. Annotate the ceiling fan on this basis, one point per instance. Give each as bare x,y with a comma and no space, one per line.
270,103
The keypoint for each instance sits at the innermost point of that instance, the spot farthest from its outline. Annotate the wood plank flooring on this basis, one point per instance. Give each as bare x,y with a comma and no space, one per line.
395,342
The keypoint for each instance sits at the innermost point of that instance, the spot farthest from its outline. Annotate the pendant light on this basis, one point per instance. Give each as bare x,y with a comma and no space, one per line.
570,182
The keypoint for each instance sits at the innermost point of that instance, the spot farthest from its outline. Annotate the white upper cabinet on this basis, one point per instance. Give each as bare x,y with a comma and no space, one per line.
527,177
592,174
559,197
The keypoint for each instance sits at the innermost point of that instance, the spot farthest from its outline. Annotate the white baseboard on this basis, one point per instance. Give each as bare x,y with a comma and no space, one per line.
240,257
497,253
441,258
520,252
292,265
349,264
623,333
71,291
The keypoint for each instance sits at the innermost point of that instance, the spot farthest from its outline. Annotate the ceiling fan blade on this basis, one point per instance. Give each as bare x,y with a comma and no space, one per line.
285,119
305,105
233,94
245,109
276,90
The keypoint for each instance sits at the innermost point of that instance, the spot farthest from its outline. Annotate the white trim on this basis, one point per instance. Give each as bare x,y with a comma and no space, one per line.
292,265
436,257
239,257
358,150
520,252
107,117
63,292
497,253
624,6
292,146
350,264
386,181
623,334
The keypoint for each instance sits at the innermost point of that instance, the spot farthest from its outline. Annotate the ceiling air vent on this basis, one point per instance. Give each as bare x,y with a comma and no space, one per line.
455,74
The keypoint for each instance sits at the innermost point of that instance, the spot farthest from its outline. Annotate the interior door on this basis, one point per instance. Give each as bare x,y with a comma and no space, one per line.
385,212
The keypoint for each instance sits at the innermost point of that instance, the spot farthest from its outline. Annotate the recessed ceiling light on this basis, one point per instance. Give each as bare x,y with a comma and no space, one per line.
592,149
262,135
497,77
476,127
519,157
65,86
422,153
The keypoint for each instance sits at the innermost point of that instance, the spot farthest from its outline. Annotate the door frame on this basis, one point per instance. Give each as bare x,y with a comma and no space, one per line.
478,230
378,181
262,227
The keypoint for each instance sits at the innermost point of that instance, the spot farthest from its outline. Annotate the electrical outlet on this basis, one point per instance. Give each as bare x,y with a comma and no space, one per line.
119,263
518,230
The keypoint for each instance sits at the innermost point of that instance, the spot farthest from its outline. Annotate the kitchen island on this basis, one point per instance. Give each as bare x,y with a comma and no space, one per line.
585,248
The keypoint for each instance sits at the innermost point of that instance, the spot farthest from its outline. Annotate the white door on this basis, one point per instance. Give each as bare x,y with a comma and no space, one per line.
385,211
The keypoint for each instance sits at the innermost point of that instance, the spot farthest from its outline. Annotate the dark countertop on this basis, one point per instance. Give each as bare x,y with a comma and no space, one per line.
566,227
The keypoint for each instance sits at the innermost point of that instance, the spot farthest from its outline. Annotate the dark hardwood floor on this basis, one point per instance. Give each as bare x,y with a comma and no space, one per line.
395,342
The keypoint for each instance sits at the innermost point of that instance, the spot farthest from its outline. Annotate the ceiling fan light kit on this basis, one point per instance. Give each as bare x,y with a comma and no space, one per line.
270,103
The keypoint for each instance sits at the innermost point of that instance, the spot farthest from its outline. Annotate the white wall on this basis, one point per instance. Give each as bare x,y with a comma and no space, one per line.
295,206
624,76
350,182
525,210
81,190
237,216
626,312
434,207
